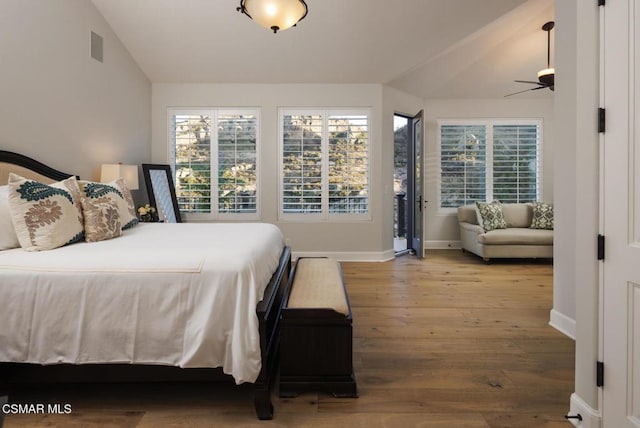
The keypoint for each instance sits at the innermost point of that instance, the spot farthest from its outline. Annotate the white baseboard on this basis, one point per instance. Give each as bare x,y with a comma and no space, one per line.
563,324
355,256
591,418
442,245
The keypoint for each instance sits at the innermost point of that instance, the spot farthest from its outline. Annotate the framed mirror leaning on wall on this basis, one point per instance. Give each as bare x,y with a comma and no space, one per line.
161,191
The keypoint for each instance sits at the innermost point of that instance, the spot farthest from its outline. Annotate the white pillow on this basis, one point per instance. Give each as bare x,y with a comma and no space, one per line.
8,237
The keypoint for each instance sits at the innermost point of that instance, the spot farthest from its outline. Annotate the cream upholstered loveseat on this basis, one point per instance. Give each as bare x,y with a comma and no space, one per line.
518,240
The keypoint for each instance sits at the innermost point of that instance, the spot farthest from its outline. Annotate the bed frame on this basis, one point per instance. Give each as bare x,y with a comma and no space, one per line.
268,312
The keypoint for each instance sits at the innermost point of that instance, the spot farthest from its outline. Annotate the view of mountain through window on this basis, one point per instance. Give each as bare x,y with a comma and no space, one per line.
325,163
215,150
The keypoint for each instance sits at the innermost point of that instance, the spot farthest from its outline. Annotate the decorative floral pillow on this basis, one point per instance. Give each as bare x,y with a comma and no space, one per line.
490,216
118,192
101,219
45,216
542,216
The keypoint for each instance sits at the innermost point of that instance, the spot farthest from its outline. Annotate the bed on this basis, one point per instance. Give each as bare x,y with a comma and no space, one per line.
183,295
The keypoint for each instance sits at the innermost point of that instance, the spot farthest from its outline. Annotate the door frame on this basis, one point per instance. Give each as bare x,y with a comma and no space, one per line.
411,185
619,337
416,200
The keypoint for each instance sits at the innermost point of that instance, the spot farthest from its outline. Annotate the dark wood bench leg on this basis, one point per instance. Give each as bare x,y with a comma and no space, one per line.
345,389
262,402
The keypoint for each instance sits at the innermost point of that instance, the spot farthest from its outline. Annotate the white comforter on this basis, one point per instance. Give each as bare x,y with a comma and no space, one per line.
171,294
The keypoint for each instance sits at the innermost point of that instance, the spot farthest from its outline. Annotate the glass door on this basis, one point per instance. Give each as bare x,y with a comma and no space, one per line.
401,142
407,184
417,161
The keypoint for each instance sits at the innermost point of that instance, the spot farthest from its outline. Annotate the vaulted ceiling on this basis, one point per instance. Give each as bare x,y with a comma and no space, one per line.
430,48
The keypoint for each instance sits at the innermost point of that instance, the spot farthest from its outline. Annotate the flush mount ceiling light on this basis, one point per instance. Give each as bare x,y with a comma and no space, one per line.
274,15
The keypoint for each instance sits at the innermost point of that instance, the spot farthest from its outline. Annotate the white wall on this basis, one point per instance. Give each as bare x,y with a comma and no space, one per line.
575,270
57,104
441,224
565,181
346,240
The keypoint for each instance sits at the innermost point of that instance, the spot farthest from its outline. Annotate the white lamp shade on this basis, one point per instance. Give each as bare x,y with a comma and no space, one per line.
111,172
276,14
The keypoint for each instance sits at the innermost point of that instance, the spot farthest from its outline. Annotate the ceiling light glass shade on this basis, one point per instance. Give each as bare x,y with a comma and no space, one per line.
274,15
547,76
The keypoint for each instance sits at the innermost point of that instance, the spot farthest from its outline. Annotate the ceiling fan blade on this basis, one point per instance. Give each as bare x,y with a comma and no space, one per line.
530,81
526,90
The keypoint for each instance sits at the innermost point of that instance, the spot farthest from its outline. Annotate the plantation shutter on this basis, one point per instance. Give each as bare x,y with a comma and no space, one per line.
214,154
515,163
348,164
191,150
236,163
463,164
302,164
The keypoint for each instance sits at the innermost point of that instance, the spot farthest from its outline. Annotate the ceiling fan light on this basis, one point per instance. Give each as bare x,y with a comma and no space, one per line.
547,76
276,15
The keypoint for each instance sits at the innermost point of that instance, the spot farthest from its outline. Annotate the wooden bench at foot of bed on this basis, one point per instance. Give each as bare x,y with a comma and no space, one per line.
316,335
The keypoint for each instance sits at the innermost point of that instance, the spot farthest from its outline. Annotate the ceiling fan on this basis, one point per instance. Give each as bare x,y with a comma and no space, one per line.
546,76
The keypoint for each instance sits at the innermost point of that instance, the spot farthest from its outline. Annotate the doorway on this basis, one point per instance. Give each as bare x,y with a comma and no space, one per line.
407,184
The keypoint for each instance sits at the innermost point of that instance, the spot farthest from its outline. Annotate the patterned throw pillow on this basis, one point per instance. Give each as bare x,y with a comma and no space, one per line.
118,192
542,216
45,216
101,219
490,216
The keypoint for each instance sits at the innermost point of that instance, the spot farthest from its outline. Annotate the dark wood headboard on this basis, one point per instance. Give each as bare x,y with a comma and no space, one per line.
21,164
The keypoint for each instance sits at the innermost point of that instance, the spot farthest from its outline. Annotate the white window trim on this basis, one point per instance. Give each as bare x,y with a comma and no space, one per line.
325,216
489,124
214,112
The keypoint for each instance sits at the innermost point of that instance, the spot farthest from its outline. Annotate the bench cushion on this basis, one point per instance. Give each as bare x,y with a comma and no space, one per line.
318,284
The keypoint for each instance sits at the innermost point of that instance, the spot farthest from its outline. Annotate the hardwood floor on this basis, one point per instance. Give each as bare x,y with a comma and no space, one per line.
448,341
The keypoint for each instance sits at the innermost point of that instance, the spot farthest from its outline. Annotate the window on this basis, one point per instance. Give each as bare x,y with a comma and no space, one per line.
324,163
515,163
215,149
463,151
488,160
